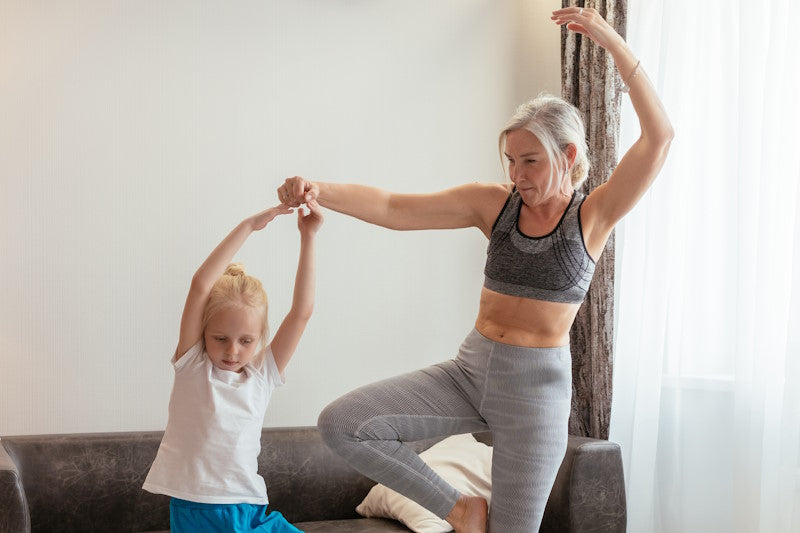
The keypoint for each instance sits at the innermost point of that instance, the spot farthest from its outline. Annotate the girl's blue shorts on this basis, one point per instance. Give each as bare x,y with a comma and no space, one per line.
192,517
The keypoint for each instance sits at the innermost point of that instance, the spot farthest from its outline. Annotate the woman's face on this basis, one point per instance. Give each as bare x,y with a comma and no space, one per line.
529,166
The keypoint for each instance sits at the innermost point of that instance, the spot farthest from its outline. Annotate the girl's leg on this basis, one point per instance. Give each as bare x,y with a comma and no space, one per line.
527,406
274,522
368,428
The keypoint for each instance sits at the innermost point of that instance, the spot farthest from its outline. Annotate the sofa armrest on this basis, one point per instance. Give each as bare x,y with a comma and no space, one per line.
14,515
589,491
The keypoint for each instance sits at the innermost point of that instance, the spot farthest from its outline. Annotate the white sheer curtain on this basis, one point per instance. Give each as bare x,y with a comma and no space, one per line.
706,377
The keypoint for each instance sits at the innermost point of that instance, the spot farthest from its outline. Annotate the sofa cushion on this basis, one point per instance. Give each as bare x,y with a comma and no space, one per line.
356,525
460,460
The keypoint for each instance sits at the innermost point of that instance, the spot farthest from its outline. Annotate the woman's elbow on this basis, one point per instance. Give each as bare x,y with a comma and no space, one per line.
669,134
659,141
665,135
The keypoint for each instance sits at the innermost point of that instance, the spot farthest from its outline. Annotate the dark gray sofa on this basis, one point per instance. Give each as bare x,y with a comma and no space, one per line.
92,482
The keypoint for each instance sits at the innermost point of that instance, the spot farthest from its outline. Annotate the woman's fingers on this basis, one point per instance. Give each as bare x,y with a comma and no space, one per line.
567,10
574,15
284,196
586,21
296,191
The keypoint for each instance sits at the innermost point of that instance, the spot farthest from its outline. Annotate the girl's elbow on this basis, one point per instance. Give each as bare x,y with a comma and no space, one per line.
200,283
303,314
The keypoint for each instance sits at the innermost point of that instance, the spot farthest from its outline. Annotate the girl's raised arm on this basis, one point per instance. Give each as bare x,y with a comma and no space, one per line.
210,271
640,165
286,338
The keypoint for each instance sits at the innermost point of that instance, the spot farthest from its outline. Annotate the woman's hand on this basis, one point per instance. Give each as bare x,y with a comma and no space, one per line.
296,191
260,220
588,22
309,224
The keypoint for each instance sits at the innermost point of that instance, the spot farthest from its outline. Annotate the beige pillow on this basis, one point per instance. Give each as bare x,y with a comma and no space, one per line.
461,461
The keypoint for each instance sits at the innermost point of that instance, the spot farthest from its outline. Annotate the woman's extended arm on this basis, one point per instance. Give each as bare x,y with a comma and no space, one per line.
637,169
473,204
210,271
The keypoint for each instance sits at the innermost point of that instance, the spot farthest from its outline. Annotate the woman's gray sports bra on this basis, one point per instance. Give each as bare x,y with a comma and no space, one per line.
556,267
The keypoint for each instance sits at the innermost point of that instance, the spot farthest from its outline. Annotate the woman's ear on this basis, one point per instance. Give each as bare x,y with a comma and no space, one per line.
572,153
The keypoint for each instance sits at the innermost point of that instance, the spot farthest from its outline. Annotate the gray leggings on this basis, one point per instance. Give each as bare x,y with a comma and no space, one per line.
521,394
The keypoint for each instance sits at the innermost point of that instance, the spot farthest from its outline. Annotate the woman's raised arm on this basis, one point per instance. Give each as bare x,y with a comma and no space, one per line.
640,165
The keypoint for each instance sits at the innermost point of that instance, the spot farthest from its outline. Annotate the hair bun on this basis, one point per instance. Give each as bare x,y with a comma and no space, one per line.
234,269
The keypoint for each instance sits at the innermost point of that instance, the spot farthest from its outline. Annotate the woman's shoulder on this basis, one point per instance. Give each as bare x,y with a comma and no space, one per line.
487,199
488,189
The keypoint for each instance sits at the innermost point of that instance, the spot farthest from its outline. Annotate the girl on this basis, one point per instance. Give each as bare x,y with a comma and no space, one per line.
224,375
512,374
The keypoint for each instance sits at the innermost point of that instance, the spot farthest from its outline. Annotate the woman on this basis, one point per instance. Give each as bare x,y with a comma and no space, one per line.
512,374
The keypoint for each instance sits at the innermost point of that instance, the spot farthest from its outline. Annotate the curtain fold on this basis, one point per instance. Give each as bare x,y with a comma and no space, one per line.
706,404
590,82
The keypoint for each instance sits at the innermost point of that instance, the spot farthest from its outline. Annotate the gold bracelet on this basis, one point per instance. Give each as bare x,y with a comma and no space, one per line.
625,85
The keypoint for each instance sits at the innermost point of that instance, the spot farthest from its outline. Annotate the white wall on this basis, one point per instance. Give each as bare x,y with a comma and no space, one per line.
135,135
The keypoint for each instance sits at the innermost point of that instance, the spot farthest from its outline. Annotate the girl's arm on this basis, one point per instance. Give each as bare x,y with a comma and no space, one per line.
474,204
210,271
291,329
637,169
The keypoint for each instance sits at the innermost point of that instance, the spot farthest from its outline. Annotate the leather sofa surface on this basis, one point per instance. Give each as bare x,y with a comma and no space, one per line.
92,482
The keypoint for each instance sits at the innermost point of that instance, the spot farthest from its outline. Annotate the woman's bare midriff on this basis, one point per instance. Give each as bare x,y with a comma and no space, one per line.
523,321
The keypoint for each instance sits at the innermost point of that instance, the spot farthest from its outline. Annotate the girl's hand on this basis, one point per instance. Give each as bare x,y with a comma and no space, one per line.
588,22
296,191
260,220
309,224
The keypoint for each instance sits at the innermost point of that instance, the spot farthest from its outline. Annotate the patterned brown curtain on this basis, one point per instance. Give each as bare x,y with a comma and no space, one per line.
589,80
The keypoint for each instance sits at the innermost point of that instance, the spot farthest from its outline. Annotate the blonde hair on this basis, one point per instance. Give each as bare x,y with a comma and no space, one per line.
557,124
235,288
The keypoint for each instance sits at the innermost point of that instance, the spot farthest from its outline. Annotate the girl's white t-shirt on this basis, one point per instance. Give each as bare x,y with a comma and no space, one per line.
209,452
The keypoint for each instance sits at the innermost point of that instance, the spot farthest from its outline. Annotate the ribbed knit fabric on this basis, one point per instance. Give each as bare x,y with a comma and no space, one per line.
521,394
555,267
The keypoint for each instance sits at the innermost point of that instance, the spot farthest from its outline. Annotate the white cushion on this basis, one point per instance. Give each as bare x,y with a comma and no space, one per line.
460,460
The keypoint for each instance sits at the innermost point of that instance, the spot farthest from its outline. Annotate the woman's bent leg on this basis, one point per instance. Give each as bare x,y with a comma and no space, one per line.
368,428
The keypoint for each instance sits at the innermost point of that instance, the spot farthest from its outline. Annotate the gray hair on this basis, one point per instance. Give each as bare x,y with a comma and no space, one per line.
557,124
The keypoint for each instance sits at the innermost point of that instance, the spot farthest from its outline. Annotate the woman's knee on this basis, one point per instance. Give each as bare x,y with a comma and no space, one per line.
336,423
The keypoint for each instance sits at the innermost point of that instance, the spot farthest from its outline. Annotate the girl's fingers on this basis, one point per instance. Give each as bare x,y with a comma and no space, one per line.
314,207
282,209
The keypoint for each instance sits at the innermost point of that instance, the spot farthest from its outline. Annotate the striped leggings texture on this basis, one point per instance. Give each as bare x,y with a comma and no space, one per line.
521,394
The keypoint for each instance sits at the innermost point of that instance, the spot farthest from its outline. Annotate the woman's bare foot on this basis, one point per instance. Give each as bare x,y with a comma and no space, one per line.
469,515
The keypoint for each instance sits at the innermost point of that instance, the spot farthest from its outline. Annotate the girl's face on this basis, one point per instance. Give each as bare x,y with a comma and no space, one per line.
528,166
231,337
